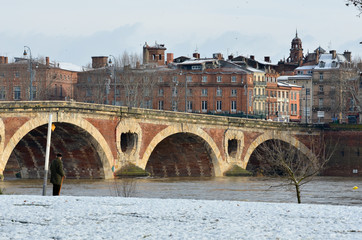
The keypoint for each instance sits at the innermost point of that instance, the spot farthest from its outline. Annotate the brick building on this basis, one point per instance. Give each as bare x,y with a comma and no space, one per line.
47,81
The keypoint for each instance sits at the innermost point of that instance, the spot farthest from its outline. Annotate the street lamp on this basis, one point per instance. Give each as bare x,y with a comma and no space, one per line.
30,70
114,75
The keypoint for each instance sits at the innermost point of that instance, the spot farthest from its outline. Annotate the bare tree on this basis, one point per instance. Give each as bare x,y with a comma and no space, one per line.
355,3
278,158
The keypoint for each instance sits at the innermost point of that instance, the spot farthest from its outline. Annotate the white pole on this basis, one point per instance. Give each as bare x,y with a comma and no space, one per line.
46,166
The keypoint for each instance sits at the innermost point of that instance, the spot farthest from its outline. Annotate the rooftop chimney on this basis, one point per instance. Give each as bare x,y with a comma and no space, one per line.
2,59
99,62
6,60
217,56
169,58
267,59
252,57
333,52
47,61
347,55
196,55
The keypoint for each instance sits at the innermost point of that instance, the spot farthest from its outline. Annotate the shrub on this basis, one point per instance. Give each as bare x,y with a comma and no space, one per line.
237,171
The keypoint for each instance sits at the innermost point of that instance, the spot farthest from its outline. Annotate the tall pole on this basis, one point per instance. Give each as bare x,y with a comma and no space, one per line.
114,76
46,165
31,72
306,109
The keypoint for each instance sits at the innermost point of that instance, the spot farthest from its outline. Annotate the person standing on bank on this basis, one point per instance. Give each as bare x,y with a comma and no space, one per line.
57,174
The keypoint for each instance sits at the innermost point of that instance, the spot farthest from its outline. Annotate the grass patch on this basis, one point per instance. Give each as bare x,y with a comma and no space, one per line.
237,171
131,170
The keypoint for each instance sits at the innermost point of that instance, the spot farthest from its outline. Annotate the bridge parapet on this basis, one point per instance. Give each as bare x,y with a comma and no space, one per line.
147,114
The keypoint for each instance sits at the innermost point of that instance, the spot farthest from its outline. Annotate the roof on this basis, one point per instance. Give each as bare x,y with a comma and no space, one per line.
254,70
70,67
198,61
326,61
286,84
307,67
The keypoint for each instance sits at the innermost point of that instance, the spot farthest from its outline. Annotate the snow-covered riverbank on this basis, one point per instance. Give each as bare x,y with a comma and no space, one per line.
69,217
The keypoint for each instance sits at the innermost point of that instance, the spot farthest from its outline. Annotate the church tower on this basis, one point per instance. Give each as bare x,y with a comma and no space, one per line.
296,50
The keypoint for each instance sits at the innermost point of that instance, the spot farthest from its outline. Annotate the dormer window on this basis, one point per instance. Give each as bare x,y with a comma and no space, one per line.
334,64
322,64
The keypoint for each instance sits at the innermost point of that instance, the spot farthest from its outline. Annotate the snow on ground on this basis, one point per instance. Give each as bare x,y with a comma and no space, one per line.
69,217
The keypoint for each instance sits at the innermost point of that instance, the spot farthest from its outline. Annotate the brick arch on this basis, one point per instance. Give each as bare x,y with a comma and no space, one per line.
283,136
185,128
2,140
104,151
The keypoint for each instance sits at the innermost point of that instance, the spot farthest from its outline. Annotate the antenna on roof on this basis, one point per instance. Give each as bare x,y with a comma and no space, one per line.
196,50
329,45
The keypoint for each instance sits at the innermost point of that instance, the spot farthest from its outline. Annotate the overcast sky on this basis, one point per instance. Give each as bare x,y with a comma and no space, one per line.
74,30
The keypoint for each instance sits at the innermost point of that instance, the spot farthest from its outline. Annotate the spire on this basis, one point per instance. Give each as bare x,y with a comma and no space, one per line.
296,33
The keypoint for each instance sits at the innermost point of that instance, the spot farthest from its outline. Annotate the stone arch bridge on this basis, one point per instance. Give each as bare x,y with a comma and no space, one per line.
96,139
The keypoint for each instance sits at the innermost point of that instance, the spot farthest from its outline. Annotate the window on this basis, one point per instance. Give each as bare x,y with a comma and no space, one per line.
55,90
88,92
233,92
204,92
286,95
321,76
33,89
17,93
218,79
307,91
17,74
2,93
146,92
174,79
160,92
204,78
189,78
189,92
196,67
160,79
233,78
204,106
233,106
218,106
60,90
148,104
321,88
321,101
189,106
219,92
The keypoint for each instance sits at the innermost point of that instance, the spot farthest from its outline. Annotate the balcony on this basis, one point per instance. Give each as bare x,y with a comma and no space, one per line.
257,83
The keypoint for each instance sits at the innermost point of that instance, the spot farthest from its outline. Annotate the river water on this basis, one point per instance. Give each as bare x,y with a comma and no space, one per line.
322,190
